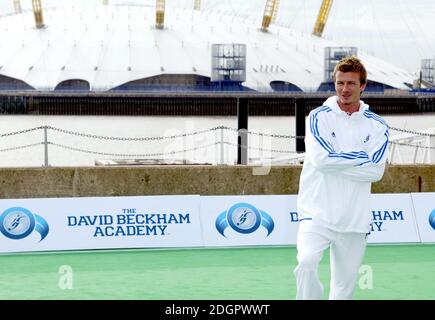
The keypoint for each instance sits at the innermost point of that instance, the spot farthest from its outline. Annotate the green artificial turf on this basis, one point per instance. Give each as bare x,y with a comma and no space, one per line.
390,272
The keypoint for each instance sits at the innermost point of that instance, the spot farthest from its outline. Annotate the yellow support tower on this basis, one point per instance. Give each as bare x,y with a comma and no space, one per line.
197,5
322,17
275,11
17,6
269,11
37,11
160,14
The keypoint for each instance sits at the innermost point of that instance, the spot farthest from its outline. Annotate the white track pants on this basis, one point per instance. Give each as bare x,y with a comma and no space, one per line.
346,255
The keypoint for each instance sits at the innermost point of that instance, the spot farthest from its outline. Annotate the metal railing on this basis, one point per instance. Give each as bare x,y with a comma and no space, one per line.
422,142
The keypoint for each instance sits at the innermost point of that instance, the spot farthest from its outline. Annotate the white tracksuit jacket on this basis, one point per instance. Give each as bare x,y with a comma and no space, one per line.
344,154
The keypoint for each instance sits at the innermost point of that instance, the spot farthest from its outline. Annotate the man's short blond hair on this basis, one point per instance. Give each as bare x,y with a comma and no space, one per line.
351,64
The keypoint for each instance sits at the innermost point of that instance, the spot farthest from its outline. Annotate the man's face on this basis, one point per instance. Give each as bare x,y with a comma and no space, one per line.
348,87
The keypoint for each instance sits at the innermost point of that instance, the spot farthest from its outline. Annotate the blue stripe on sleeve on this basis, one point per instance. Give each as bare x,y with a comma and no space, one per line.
347,156
374,116
377,156
315,132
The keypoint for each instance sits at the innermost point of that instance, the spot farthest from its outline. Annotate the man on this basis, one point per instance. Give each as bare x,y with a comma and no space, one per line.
346,149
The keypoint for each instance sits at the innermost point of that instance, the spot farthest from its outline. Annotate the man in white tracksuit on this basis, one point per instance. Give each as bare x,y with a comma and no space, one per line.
346,150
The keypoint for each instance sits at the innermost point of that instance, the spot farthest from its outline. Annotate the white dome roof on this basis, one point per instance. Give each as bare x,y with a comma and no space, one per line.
112,45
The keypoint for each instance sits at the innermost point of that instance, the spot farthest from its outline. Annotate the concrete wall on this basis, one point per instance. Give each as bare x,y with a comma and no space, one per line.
165,180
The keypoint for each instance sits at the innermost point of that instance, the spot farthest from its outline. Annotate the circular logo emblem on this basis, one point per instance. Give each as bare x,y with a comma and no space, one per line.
244,218
17,223
432,219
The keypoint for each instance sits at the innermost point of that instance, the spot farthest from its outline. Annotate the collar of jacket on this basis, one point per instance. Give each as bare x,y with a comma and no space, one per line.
332,103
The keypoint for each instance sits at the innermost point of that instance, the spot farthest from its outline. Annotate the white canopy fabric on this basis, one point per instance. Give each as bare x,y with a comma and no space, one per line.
115,44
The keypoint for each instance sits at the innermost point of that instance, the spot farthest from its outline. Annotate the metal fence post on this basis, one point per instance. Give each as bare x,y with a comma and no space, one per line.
242,137
300,125
431,145
222,146
45,147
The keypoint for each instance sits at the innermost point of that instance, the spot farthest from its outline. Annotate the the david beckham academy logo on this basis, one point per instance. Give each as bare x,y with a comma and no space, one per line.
244,218
17,223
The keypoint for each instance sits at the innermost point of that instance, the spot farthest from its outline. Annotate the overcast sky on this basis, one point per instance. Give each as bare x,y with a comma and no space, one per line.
399,31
